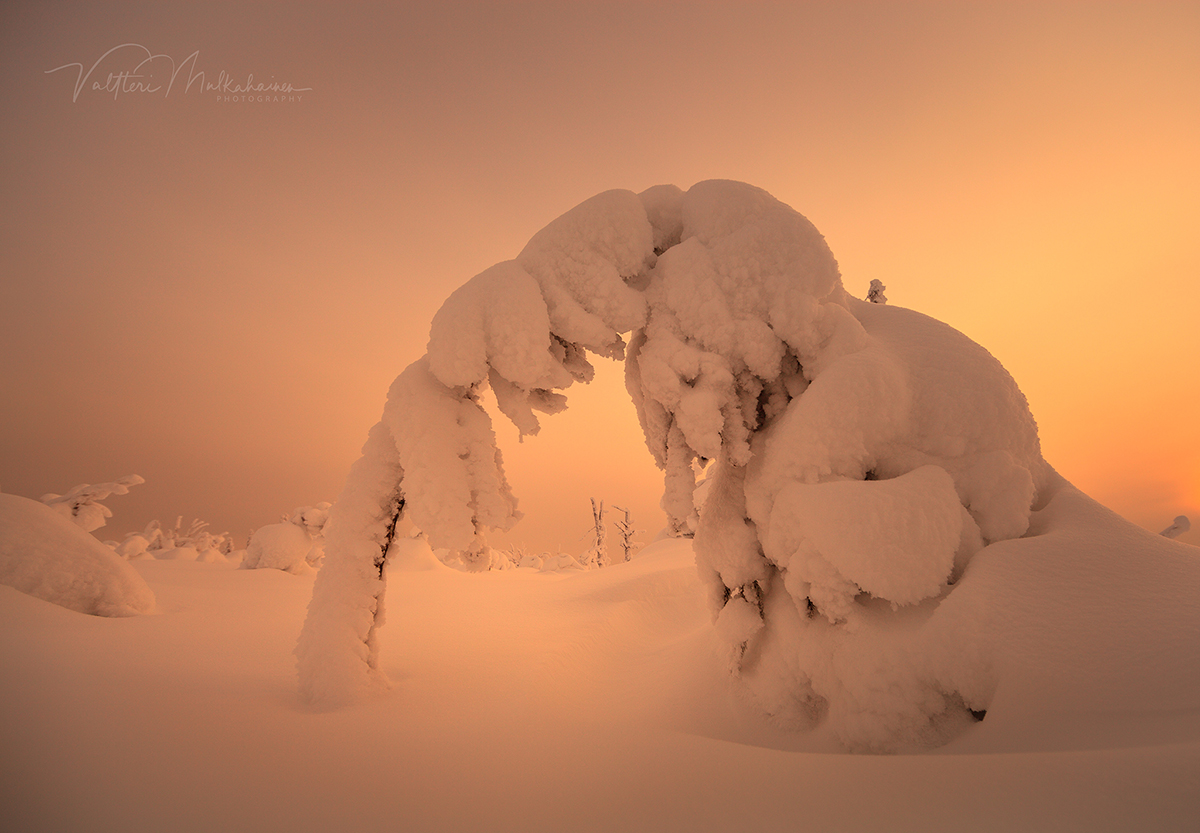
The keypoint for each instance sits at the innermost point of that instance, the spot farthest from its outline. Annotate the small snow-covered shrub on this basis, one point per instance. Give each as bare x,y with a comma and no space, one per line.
875,293
597,553
44,554
625,533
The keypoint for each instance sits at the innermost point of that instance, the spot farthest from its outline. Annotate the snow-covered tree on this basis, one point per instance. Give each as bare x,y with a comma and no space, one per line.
1180,525
861,454
875,292
523,328
625,533
597,553
82,504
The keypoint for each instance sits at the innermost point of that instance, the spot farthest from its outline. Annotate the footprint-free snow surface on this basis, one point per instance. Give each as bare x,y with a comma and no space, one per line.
529,701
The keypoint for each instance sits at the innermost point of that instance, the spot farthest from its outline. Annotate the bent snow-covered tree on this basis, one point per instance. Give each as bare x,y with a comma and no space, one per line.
861,453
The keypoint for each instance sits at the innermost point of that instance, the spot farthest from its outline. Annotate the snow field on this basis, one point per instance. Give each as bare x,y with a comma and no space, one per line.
590,701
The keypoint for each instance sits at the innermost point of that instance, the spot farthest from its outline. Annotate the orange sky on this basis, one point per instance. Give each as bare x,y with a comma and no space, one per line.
216,294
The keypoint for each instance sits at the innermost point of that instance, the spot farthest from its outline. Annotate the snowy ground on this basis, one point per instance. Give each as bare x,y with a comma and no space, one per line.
524,701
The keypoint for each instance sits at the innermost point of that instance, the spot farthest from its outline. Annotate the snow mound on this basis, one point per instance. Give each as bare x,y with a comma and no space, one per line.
1088,629
413,555
182,552
283,546
133,547
44,554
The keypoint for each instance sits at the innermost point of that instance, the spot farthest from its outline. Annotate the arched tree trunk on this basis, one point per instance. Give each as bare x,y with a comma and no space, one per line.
337,653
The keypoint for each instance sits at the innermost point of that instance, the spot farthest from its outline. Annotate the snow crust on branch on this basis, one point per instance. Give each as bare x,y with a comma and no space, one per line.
585,262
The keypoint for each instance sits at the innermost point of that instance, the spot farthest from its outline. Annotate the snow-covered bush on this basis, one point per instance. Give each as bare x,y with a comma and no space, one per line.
295,545
560,563
861,454
282,546
82,504
311,518
44,554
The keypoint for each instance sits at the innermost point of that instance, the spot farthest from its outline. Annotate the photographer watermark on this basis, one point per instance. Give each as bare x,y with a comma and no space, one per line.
131,69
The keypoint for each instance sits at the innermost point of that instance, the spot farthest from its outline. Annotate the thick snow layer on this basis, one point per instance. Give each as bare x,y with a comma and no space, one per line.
584,262
1086,615
597,701
44,554
894,539
497,320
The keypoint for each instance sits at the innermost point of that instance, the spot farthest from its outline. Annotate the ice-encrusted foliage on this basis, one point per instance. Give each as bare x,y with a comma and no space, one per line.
857,456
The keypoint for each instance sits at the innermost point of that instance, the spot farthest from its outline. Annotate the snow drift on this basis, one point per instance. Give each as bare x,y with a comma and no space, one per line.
591,701
862,460
43,553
